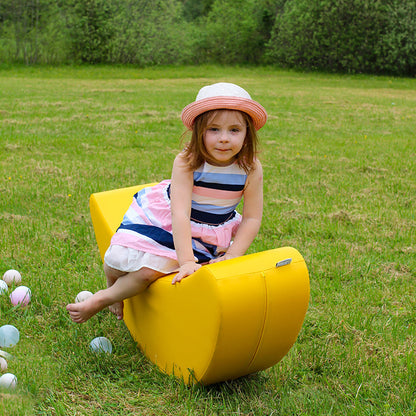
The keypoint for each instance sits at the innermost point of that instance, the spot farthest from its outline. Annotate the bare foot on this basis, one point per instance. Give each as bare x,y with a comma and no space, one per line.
82,311
117,309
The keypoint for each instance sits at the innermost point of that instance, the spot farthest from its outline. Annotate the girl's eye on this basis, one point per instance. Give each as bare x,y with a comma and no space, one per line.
235,130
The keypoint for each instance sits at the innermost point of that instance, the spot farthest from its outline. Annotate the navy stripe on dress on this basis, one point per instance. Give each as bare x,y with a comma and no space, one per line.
210,218
165,239
155,233
220,186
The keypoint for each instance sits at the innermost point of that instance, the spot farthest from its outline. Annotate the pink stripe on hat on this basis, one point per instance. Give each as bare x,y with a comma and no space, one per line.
224,95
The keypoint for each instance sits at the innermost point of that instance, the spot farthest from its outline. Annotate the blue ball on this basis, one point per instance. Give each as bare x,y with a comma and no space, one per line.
9,336
101,344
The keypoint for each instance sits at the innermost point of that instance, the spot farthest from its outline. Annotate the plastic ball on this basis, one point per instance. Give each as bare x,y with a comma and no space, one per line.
8,381
5,355
12,276
9,336
101,344
21,296
3,365
3,287
84,295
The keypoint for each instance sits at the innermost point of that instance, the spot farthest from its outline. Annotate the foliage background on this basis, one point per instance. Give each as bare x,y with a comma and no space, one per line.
354,36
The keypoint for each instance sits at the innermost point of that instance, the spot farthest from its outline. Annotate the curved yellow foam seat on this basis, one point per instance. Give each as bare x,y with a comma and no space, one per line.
227,320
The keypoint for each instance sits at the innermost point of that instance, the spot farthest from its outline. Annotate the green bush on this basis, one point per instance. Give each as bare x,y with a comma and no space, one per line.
345,35
32,32
90,29
370,36
399,41
193,9
149,33
232,32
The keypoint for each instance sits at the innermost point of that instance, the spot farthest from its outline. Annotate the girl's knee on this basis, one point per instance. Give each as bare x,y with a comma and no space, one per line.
112,273
148,276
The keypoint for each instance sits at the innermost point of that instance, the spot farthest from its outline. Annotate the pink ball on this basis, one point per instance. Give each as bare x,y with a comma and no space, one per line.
21,296
12,277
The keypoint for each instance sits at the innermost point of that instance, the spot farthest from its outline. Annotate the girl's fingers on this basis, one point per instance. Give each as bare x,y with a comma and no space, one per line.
184,271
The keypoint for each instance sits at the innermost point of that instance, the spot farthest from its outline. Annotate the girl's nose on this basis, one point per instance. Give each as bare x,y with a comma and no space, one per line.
223,137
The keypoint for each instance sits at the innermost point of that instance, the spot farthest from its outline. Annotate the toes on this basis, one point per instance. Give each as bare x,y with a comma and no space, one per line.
117,310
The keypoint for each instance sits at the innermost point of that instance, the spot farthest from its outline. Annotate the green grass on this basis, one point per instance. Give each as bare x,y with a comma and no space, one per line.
339,156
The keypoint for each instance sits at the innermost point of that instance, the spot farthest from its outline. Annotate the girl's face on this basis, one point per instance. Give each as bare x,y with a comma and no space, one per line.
224,136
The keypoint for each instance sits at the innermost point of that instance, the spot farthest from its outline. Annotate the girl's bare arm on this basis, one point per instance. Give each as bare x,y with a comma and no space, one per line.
181,195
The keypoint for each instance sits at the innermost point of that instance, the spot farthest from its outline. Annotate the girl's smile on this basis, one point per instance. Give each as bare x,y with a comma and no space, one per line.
224,136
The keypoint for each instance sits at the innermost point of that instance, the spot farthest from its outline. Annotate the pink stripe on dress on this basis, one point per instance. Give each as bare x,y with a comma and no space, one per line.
134,206
216,202
216,193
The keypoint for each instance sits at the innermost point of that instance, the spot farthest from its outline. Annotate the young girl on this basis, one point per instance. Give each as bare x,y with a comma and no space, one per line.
190,220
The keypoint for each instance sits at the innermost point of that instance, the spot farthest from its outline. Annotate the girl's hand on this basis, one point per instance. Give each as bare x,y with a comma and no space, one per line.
221,258
185,270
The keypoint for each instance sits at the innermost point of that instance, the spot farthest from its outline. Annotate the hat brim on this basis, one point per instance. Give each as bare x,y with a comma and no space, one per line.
252,108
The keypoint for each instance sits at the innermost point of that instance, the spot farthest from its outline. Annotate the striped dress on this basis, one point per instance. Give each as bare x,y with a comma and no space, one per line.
147,224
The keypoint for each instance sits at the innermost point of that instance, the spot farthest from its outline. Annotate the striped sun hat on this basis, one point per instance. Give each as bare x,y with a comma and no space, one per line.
224,95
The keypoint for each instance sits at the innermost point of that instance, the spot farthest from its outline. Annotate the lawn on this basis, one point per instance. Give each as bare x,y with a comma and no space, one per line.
339,158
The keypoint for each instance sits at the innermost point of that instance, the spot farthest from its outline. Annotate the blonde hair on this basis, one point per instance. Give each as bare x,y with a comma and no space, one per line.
196,153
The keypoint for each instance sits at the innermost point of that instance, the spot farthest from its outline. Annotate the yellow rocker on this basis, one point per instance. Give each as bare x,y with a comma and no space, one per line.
227,320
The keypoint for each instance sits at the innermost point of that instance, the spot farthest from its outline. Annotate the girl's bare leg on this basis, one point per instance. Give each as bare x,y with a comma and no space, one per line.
112,275
122,287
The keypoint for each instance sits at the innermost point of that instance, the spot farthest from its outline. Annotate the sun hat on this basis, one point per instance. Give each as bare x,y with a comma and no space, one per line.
224,95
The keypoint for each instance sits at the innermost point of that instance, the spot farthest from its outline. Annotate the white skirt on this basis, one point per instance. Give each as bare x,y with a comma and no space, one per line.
127,260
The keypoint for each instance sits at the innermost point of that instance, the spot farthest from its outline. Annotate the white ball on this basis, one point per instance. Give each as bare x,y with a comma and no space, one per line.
84,295
3,365
12,276
21,296
9,336
101,344
8,381
5,355
3,287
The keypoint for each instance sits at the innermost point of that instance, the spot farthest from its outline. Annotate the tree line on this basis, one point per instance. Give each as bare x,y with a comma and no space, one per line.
354,36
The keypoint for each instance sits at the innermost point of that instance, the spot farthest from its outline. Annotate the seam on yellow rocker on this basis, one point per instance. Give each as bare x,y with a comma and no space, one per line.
263,320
